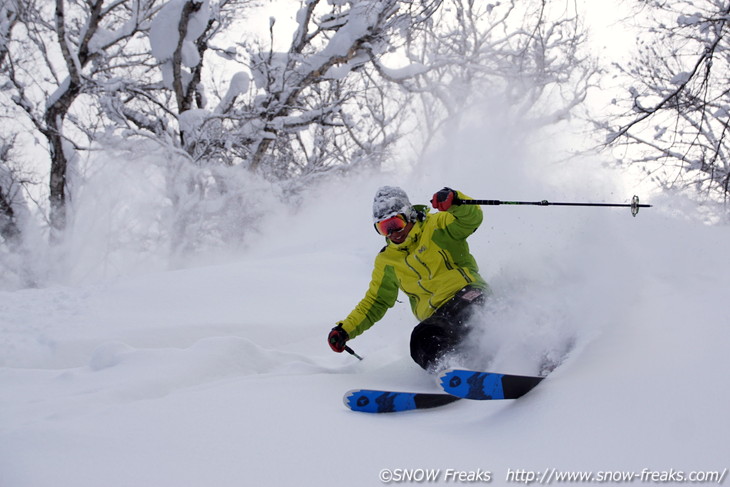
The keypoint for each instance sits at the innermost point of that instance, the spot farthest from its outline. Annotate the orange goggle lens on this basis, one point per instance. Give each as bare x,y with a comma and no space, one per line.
389,225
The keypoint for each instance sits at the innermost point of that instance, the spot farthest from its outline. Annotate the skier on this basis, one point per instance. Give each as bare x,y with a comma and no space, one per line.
427,257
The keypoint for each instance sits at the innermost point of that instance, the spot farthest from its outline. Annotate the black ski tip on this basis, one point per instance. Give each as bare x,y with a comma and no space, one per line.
516,386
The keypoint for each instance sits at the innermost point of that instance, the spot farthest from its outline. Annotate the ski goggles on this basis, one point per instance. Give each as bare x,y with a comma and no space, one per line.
390,225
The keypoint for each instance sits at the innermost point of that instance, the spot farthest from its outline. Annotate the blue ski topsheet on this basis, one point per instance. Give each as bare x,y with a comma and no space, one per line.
372,401
469,384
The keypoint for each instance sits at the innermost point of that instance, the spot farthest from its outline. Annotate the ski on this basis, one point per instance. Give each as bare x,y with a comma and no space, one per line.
470,384
373,401
456,383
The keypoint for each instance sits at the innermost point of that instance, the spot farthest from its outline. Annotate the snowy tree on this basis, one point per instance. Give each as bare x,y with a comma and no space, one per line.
210,108
91,75
56,54
675,115
17,266
216,105
285,114
8,18
9,198
144,68
530,54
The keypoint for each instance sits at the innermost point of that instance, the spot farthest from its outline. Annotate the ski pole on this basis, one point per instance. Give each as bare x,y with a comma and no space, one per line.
352,352
634,205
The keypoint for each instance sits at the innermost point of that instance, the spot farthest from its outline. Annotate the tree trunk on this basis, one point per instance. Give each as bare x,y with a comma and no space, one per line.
59,165
55,115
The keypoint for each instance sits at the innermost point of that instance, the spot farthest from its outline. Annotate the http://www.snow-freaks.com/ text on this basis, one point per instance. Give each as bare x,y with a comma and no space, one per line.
549,476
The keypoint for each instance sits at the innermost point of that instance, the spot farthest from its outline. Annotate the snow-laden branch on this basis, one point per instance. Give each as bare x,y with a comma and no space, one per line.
675,119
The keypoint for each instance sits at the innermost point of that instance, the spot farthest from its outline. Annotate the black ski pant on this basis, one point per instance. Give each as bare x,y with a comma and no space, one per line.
446,329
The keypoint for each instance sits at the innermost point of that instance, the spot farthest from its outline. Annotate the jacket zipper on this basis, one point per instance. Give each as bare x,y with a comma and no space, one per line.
417,274
450,267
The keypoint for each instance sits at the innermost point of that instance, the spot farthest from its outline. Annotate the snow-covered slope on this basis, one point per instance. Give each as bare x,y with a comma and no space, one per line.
220,375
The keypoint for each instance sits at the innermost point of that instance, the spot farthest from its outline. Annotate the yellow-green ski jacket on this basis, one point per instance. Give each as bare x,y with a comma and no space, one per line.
430,267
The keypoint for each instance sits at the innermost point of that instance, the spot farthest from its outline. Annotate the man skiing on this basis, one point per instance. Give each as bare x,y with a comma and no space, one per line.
427,257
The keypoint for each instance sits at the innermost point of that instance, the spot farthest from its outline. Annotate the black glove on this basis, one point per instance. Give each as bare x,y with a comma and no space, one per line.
443,199
337,338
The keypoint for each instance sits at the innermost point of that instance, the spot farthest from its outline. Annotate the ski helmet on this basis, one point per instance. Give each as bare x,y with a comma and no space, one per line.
390,201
